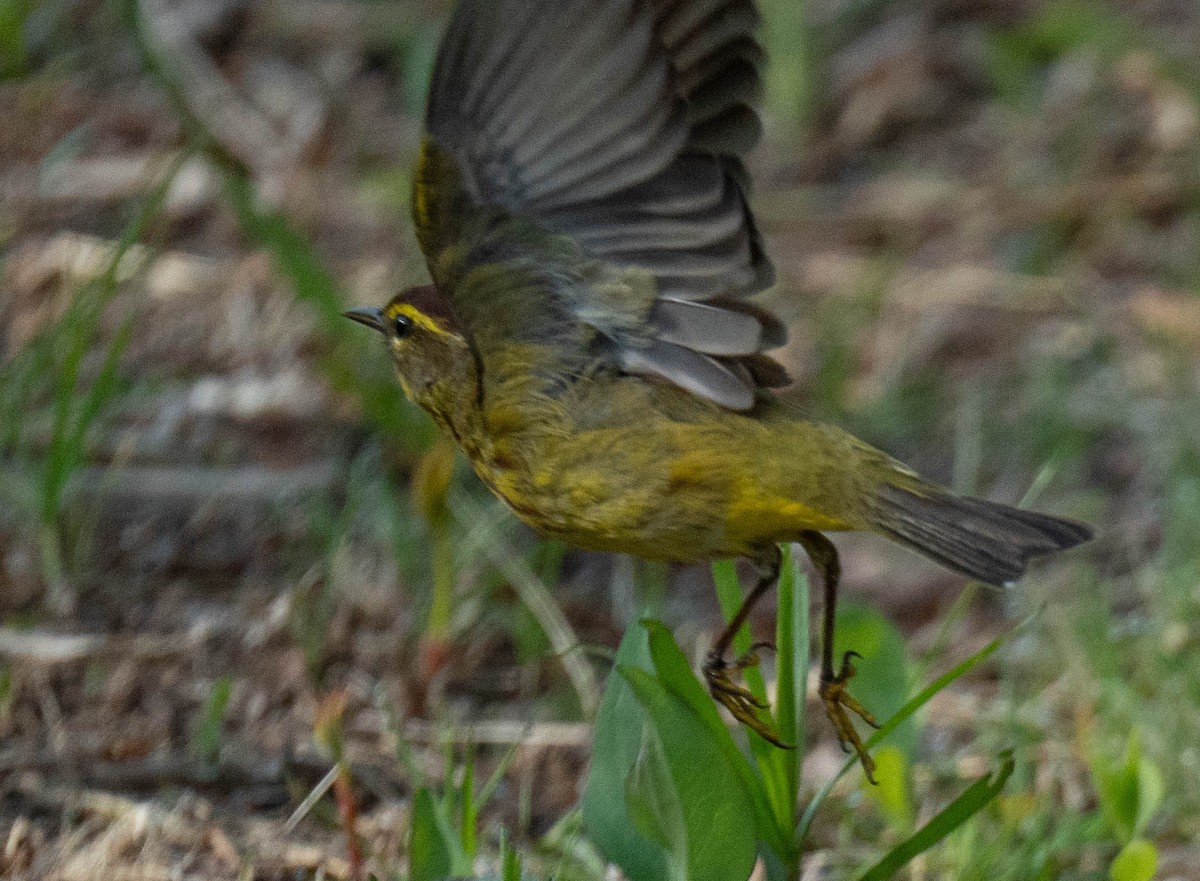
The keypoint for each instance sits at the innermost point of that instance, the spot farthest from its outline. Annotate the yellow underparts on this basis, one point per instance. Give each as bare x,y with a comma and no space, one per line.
695,505
755,515
755,512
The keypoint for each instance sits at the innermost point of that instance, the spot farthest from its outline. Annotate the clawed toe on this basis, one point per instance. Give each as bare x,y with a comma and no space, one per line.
837,702
742,704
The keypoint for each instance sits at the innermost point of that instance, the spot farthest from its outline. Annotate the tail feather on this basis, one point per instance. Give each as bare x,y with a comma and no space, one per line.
984,540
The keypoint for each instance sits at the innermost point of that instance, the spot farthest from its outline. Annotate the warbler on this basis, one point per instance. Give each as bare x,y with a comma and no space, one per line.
581,198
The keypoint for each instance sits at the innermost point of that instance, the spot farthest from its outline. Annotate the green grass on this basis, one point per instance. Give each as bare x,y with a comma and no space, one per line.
14,55
59,387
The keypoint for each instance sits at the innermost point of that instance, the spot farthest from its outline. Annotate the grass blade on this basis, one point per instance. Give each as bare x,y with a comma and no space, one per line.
792,645
779,768
914,703
538,599
963,808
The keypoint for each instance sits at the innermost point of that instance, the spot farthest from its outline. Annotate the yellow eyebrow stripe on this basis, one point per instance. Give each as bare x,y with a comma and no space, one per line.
419,318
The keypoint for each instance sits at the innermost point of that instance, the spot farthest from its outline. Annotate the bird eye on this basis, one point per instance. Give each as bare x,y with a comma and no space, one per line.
403,325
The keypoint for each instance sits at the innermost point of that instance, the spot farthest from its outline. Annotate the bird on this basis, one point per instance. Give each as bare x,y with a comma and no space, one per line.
591,338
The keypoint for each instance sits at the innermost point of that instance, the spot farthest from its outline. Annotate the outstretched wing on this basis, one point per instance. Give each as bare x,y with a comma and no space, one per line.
620,125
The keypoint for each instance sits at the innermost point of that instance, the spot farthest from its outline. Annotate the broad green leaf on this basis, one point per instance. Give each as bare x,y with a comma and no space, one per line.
1150,793
882,679
1137,861
617,743
1130,790
714,834
674,671
650,794
892,792
977,795
435,852
676,674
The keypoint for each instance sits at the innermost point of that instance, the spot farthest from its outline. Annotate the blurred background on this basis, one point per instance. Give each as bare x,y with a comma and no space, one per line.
230,552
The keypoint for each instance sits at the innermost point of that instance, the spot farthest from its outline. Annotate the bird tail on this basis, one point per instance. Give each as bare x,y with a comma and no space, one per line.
989,542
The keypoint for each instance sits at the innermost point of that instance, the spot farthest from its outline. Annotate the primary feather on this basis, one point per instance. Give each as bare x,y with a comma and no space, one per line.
599,145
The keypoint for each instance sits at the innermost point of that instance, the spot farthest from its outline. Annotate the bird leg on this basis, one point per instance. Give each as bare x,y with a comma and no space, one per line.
719,673
833,691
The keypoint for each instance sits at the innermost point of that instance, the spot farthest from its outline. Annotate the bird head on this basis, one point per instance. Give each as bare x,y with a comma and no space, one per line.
430,354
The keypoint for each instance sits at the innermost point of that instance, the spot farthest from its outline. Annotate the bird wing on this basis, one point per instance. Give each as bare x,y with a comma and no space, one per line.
597,146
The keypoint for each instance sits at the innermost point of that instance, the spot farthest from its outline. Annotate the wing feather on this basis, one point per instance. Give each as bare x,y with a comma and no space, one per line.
622,125
705,328
700,374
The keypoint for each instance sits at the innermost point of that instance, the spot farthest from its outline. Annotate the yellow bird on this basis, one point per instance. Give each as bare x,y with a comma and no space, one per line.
588,340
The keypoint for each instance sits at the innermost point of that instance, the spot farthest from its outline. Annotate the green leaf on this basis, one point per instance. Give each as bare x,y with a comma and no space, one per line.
713,835
1150,793
674,671
1137,861
1130,791
470,810
892,792
778,769
510,861
78,404
14,61
418,59
791,76
882,679
206,737
434,850
977,795
730,596
650,794
617,744
1065,25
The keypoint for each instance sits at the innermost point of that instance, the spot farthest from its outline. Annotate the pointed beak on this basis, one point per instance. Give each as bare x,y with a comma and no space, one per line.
371,316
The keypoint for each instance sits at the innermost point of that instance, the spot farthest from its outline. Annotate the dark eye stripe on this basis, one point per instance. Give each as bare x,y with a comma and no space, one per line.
402,325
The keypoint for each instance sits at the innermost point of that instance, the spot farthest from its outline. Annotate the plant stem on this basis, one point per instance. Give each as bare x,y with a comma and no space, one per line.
793,645
60,599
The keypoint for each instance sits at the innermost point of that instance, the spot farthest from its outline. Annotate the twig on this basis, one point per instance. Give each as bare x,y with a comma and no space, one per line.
228,774
41,647
310,800
566,735
243,483
348,816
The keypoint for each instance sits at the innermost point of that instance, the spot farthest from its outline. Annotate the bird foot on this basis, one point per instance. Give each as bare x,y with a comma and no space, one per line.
837,701
738,699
